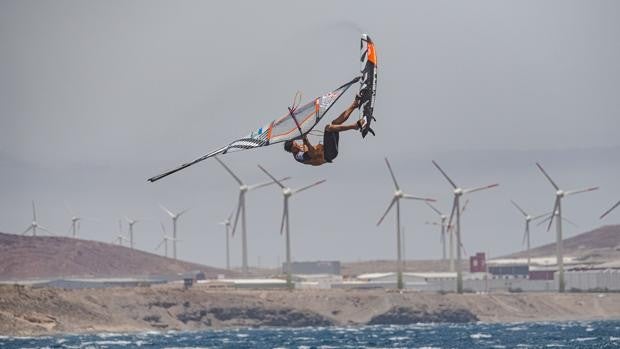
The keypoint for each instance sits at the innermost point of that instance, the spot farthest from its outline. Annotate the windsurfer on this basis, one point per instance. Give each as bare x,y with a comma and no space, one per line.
317,155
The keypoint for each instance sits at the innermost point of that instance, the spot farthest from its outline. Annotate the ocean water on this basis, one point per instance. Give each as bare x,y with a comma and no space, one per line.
603,334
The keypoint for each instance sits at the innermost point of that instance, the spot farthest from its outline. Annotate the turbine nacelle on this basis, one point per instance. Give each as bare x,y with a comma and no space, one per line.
399,194
243,188
287,192
458,192
560,193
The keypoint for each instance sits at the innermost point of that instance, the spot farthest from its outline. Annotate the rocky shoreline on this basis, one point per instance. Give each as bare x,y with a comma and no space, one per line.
27,311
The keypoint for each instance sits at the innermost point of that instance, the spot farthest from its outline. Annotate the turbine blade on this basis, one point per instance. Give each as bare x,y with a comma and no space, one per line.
229,170
411,197
518,208
272,177
464,206
27,230
570,222
163,228
71,212
166,210
555,207
544,220
239,208
230,215
578,191
452,212
472,190
445,175
264,184
464,250
540,216
159,246
284,215
34,212
45,229
549,178
308,186
182,212
386,211
433,208
611,209
387,162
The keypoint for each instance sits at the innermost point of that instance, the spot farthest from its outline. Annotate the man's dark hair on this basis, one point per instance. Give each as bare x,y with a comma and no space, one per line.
288,146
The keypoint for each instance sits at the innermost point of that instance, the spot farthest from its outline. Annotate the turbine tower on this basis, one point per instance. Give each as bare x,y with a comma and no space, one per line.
243,189
456,207
611,209
227,225
557,210
287,193
175,217
526,234
131,223
398,194
35,225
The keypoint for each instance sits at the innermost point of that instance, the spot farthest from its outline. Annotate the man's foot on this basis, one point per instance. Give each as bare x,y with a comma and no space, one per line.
360,124
357,101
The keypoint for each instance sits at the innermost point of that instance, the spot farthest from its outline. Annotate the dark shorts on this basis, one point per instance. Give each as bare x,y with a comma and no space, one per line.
330,145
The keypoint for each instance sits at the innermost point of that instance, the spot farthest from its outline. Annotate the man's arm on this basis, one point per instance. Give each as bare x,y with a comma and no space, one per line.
311,148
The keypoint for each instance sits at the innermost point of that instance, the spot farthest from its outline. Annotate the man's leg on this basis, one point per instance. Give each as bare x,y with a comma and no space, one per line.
340,128
337,124
345,114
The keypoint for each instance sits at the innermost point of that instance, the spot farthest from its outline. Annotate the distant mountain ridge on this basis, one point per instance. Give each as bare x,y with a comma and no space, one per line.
600,244
31,257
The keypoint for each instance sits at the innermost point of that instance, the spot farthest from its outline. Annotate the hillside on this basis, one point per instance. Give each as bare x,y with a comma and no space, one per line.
599,245
26,257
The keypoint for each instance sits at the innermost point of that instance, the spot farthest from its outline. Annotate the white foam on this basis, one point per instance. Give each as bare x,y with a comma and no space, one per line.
584,339
480,335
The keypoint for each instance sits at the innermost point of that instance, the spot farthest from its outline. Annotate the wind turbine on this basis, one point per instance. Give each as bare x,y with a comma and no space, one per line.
227,225
175,217
456,207
120,238
243,189
526,234
287,193
611,209
75,221
131,223
557,210
35,225
398,194
164,241
442,226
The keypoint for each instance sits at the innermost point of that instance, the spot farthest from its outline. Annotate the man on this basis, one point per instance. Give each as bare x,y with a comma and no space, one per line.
319,154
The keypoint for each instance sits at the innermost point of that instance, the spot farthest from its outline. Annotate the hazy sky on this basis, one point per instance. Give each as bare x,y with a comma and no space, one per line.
95,97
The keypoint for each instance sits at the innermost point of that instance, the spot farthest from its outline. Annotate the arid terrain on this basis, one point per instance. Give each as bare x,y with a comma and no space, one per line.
36,311
26,311
27,257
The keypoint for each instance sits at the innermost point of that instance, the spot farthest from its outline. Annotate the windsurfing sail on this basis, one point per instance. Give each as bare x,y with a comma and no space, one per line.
297,122
368,83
